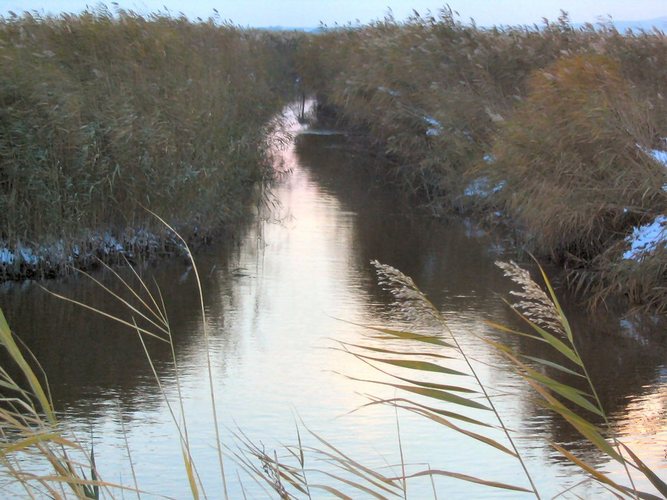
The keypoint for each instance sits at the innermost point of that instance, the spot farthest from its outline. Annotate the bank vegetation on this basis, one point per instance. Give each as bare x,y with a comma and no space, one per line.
558,131
106,114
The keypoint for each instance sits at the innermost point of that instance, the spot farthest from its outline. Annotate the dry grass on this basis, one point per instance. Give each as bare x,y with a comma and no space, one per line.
572,157
105,113
416,366
31,433
564,111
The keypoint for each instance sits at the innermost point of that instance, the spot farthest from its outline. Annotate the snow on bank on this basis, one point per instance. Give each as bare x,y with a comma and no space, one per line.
291,120
482,188
6,257
391,92
435,127
21,261
647,238
659,155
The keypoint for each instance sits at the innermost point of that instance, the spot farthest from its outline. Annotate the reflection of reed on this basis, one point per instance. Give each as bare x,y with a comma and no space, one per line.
95,361
643,425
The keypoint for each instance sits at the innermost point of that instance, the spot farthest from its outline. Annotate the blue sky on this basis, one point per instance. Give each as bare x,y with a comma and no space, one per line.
311,12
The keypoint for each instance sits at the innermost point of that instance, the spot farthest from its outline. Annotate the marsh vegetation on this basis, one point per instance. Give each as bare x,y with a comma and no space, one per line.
187,377
556,130
106,114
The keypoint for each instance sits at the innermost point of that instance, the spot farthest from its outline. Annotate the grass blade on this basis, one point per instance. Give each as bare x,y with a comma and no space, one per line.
557,344
478,437
471,479
332,490
7,340
599,476
416,365
659,484
568,392
445,413
354,484
556,366
399,353
400,334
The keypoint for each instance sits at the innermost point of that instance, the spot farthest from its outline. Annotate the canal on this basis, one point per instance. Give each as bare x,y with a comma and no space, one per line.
277,302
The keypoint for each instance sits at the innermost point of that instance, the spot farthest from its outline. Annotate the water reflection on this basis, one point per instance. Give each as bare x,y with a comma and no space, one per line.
271,301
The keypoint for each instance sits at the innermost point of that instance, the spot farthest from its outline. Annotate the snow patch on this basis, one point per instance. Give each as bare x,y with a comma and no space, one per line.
6,256
20,261
472,230
495,117
435,127
645,239
290,120
659,155
111,244
393,93
482,188
28,256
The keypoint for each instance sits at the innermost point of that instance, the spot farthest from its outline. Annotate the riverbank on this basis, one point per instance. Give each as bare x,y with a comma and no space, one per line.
558,132
107,114
555,131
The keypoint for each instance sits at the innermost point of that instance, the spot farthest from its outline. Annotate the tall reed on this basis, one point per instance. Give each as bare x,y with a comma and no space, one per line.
104,113
31,432
424,370
545,128
434,377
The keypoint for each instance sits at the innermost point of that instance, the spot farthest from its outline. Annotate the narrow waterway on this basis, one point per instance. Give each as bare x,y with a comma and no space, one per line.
274,305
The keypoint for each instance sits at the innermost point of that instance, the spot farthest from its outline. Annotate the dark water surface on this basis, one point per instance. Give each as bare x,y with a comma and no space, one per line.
271,304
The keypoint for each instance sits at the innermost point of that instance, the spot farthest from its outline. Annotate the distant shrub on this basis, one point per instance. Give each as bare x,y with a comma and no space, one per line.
643,61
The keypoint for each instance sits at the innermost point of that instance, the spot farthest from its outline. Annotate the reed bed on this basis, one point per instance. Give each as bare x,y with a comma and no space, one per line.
547,128
104,114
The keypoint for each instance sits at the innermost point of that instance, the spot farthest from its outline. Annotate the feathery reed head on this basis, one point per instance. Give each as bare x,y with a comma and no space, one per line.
534,303
410,300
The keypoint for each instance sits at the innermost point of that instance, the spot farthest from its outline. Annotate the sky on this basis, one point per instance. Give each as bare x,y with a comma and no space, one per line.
309,13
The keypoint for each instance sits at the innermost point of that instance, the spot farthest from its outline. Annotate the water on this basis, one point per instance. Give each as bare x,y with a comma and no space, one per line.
274,303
